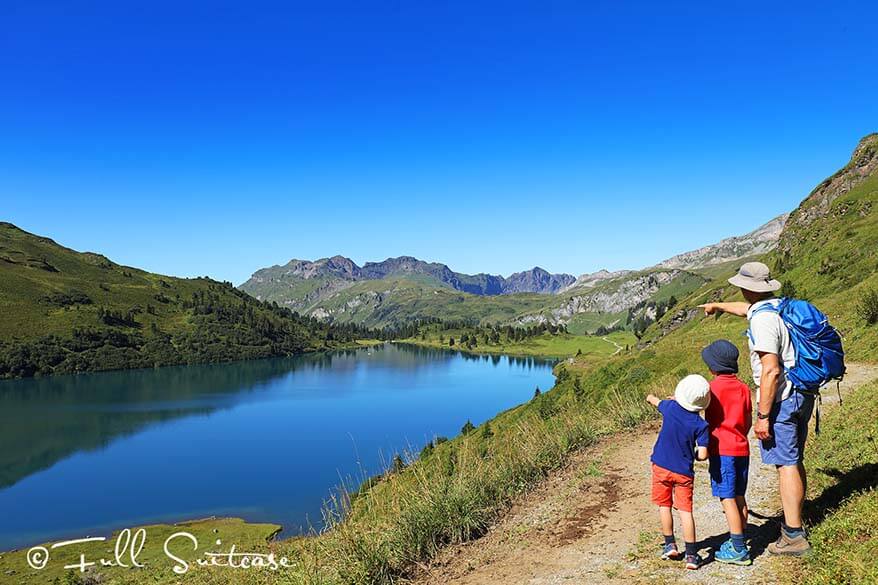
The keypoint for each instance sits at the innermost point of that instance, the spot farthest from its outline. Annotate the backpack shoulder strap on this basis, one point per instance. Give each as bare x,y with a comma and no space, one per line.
761,309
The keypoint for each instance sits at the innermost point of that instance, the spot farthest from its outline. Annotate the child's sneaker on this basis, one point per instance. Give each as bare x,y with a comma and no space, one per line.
693,562
670,552
727,553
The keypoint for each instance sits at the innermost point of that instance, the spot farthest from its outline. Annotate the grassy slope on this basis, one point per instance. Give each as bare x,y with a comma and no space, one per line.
588,323
400,299
546,345
842,507
33,267
301,289
836,260
49,290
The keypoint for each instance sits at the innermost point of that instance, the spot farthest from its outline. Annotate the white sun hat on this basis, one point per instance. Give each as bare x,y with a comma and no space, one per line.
693,393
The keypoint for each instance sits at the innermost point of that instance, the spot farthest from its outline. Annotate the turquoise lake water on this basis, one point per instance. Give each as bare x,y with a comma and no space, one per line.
266,440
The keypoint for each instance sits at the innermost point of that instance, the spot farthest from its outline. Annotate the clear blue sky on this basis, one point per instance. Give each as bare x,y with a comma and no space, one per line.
218,138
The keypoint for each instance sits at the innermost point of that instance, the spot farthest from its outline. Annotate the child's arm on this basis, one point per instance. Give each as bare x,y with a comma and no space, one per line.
701,453
653,399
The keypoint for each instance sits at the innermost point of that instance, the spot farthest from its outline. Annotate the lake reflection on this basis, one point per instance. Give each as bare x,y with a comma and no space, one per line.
266,440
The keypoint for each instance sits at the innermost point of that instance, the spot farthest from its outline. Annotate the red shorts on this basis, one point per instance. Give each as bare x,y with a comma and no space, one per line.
671,489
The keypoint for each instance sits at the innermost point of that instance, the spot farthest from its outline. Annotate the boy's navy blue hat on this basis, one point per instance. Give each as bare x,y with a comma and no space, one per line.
721,357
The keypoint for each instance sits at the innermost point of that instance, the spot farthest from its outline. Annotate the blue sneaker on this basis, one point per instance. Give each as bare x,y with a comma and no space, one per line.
670,552
693,562
727,553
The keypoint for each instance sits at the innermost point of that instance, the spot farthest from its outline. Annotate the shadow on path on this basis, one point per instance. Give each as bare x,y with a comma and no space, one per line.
758,537
858,479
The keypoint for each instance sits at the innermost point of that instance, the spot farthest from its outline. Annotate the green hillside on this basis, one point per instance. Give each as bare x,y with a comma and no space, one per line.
392,301
395,300
66,311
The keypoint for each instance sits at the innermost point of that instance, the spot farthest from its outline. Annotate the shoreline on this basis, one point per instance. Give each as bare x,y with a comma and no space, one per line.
517,351
277,535
358,344
428,345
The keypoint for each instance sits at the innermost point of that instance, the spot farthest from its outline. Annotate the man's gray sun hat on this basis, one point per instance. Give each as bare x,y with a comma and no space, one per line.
755,276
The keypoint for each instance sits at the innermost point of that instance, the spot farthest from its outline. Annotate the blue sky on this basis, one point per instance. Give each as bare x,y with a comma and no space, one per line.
218,138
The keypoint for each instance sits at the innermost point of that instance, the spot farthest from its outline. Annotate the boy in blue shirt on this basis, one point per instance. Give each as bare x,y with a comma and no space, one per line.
673,473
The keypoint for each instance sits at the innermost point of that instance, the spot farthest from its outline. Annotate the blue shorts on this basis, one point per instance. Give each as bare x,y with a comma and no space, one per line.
788,425
728,475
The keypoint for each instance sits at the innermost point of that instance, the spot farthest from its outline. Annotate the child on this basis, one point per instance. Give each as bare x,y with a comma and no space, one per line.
729,418
683,431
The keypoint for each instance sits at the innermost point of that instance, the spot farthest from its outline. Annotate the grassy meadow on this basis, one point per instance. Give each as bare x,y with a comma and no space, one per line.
561,345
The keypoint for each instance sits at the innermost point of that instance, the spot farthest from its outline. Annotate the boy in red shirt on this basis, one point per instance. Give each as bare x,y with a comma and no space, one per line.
729,417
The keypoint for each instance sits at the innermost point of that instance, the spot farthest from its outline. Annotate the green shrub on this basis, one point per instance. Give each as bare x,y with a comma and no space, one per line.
867,307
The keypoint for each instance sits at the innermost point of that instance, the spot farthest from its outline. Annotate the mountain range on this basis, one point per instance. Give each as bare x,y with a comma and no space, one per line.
68,311
405,288
269,283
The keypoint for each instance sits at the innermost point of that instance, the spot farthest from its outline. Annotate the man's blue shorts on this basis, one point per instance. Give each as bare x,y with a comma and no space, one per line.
788,425
728,475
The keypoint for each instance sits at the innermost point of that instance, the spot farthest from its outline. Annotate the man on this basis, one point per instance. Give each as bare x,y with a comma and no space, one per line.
782,411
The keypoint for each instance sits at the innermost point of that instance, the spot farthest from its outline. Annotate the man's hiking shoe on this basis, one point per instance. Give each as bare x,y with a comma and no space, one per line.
792,546
693,562
727,553
670,552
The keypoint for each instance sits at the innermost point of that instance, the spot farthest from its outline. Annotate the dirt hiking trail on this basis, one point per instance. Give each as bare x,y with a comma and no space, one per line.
592,522
614,344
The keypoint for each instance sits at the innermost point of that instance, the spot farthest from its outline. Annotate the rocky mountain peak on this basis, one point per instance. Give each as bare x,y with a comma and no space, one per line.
342,266
536,280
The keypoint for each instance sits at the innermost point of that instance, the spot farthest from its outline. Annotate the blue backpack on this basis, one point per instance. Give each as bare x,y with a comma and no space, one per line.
819,353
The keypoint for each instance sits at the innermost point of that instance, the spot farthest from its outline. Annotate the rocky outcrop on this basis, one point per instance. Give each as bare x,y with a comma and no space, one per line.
629,293
863,164
761,240
592,279
614,299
